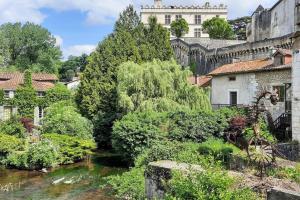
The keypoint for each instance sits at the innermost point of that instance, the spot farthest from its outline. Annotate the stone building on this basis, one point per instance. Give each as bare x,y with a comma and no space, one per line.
272,23
239,83
9,82
195,15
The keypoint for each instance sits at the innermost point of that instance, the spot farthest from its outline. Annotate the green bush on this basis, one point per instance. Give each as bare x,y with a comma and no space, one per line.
71,149
208,185
135,132
37,156
13,127
9,144
63,118
229,113
195,126
59,93
264,132
291,173
130,185
218,149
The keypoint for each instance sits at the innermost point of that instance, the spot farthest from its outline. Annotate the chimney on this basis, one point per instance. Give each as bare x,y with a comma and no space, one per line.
157,3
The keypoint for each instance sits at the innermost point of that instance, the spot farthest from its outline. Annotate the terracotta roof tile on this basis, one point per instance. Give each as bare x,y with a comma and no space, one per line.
248,66
201,81
40,82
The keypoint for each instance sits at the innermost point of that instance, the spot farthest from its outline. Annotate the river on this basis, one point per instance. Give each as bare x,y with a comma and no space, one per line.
78,181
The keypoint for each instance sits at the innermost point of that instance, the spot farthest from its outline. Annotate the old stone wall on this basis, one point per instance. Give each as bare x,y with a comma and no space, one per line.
207,60
266,81
290,151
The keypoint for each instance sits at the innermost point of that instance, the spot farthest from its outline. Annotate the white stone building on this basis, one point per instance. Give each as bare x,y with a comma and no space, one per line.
239,83
195,15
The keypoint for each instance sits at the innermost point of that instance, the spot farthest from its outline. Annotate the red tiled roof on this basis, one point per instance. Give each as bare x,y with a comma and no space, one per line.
40,82
248,66
201,81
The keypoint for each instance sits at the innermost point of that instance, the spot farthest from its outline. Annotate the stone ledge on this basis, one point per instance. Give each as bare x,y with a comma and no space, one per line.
282,194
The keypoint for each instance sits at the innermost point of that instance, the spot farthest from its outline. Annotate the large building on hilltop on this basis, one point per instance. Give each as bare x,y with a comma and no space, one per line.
195,15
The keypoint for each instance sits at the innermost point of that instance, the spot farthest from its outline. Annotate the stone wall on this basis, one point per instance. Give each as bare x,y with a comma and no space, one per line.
266,80
207,60
290,151
281,194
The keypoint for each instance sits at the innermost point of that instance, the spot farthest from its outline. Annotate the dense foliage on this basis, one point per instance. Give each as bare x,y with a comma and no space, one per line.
179,28
13,127
58,93
218,28
130,41
28,46
9,144
208,185
239,26
63,118
157,86
71,149
72,67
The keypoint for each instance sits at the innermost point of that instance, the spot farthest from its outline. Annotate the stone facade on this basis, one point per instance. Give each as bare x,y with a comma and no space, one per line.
195,15
296,90
272,23
211,54
247,86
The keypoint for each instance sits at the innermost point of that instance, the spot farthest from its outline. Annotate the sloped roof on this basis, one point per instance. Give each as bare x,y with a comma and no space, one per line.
201,81
249,66
40,81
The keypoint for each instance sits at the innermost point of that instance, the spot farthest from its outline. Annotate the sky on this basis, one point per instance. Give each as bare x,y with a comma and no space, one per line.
79,25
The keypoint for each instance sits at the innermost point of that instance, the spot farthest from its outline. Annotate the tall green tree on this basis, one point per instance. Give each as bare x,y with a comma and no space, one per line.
157,86
72,67
31,46
131,41
179,28
218,28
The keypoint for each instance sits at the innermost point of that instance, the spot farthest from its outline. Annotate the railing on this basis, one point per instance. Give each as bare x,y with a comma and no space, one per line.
284,119
218,106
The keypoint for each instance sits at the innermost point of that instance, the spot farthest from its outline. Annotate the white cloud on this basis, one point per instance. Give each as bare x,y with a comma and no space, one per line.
105,11
59,41
78,50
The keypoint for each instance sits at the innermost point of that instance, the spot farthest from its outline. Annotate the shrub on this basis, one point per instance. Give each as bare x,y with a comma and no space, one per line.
59,93
71,149
13,127
208,185
130,185
229,113
28,124
38,155
9,144
195,126
264,132
135,132
218,149
291,173
63,118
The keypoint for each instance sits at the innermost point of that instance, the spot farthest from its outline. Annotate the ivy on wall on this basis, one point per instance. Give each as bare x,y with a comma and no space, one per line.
26,99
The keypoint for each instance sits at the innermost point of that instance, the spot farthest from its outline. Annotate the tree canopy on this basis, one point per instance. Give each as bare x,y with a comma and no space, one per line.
157,86
130,41
179,28
28,46
218,28
72,67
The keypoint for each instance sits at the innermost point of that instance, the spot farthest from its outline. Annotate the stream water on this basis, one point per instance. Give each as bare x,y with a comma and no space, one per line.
78,181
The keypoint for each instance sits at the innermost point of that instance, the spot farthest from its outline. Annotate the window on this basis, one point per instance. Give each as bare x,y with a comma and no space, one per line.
167,19
6,94
41,112
197,19
232,78
217,15
280,92
40,94
7,112
233,98
197,32
178,17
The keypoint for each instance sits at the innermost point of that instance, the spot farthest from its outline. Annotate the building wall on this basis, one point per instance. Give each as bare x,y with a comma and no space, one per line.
245,85
266,80
296,92
248,86
188,13
271,23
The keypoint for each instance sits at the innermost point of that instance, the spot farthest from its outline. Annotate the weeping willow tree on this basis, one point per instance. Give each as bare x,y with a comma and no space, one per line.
158,86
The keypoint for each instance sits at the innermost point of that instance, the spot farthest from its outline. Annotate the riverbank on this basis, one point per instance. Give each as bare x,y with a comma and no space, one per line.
78,181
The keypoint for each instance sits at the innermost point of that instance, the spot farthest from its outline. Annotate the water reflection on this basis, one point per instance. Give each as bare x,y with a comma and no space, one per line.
78,181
